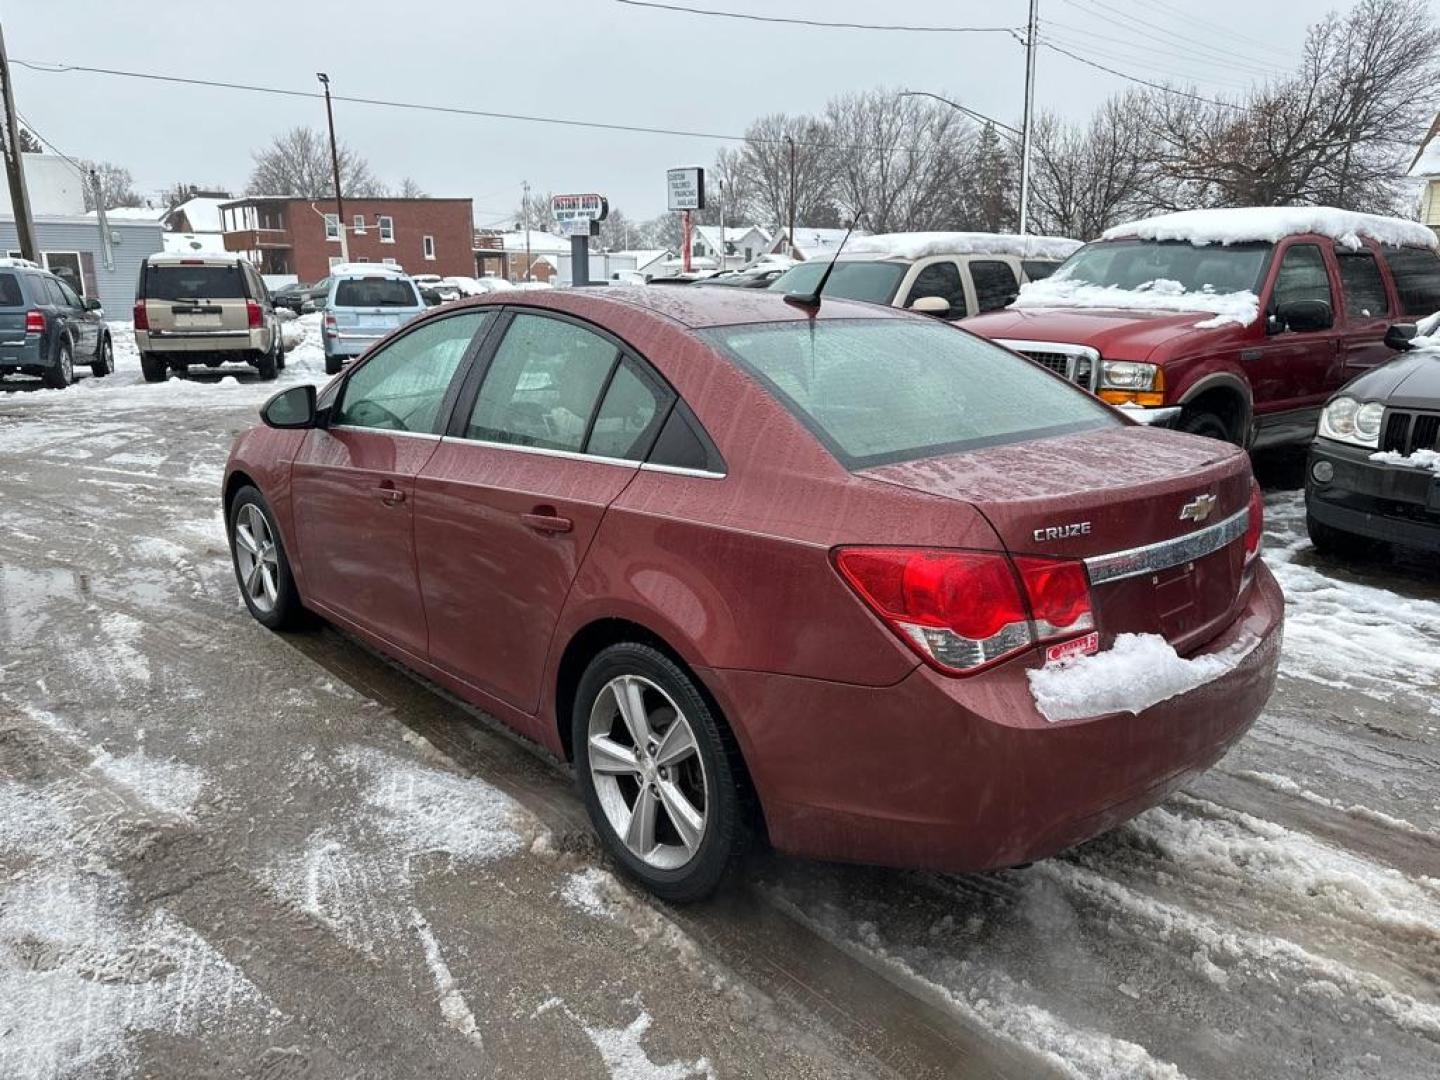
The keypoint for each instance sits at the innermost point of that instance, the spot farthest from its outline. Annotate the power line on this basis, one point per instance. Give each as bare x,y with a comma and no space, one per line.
1213,27
821,23
54,149
454,110
1159,67
1010,131
1224,57
1135,79
1168,52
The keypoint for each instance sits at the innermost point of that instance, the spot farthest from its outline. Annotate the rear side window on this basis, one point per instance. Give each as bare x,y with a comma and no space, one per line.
880,390
1039,269
10,293
193,283
940,279
1364,288
1417,279
375,292
54,294
995,284
631,413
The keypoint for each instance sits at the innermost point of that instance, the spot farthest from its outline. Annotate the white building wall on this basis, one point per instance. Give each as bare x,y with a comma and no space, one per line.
55,186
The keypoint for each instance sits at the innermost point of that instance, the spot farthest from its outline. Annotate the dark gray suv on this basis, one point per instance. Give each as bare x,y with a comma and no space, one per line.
46,329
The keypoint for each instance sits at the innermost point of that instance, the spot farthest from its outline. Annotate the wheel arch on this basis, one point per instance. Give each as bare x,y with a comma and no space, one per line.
1228,396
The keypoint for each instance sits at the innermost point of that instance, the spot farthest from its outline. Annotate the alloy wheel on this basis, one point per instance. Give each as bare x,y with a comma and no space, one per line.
67,365
257,557
647,772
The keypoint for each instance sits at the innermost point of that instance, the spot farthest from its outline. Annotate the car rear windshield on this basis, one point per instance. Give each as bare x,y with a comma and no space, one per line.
875,282
10,293
375,292
193,282
881,390
1130,264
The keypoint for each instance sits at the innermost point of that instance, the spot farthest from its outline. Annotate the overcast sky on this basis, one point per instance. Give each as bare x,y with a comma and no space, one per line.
582,59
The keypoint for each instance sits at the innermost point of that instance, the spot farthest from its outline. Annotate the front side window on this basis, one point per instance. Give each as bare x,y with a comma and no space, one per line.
385,291
387,229
1417,279
875,282
876,391
1363,287
940,279
332,226
995,284
400,386
67,294
543,385
1302,276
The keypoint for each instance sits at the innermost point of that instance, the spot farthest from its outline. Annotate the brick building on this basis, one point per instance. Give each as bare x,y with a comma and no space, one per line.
284,235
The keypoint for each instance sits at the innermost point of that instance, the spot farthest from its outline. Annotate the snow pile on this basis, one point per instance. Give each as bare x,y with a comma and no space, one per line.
1138,671
921,245
1249,224
1427,162
1242,307
1419,459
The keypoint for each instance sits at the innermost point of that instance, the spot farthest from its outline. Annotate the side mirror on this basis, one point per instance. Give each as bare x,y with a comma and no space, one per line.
931,305
292,408
1305,315
1399,336
92,303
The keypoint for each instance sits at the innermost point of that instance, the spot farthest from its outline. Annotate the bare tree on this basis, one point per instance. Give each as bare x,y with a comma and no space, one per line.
29,144
117,186
766,165
900,159
298,163
536,213
1338,131
619,233
411,189
730,187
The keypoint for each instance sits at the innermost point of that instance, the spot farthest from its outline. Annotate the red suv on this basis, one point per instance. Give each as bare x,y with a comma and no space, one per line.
850,577
1238,324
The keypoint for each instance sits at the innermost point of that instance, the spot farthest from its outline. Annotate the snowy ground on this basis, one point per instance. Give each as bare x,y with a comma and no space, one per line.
225,852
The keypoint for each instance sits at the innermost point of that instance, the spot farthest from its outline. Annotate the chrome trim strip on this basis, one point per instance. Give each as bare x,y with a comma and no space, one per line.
385,431
543,451
680,470
1133,562
1065,348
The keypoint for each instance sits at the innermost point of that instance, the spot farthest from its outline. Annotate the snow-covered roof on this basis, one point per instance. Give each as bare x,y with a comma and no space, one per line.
644,256
194,243
1427,162
365,268
130,213
202,213
734,234
920,245
540,242
1238,225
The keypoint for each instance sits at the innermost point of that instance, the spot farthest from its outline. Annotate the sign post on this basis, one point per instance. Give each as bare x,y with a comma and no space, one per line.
686,190
579,218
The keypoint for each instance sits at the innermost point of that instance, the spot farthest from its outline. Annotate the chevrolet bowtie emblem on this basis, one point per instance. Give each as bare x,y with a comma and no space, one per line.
1198,508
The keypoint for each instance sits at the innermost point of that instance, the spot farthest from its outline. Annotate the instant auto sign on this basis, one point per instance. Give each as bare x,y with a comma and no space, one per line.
577,215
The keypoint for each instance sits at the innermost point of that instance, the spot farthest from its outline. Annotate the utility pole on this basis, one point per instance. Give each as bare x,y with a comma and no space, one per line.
107,253
14,165
722,223
525,214
791,141
1029,124
335,166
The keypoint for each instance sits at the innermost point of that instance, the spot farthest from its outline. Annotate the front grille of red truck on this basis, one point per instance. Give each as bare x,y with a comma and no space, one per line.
1078,363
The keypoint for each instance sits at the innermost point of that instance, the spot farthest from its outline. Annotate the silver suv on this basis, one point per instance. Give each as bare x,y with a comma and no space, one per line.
204,309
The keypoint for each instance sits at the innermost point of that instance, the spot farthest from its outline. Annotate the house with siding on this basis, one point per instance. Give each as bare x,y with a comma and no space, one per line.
1425,167
72,247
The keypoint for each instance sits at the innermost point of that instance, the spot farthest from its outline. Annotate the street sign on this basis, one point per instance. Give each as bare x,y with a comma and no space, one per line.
579,215
686,188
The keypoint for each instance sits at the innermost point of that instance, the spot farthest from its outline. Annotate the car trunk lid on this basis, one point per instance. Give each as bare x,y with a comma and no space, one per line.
1158,518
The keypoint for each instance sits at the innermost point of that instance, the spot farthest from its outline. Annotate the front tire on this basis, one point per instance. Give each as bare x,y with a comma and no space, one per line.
105,362
62,374
659,773
1328,540
1206,424
262,568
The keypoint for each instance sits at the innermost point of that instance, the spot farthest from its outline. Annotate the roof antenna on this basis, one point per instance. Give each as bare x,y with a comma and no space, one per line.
811,299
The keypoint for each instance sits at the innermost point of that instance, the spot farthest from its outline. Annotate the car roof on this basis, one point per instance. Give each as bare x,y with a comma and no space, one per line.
203,258
693,308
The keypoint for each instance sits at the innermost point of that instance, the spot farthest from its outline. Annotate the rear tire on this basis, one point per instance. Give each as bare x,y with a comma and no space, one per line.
153,367
1328,540
1206,424
688,769
262,569
265,364
279,348
106,362
333,364
62,373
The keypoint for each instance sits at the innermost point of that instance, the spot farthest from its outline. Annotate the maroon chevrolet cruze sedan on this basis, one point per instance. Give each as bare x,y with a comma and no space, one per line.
758,568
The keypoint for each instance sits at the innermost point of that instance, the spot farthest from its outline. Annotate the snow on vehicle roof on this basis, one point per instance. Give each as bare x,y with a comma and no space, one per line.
341,269
1247,224
920,245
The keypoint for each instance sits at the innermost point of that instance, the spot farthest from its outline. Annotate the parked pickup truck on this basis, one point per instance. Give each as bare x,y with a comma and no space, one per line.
1239,324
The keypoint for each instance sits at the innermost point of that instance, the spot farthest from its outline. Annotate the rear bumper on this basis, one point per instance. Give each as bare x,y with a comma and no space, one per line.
350,344
1394,503
26,354
965,775
172,341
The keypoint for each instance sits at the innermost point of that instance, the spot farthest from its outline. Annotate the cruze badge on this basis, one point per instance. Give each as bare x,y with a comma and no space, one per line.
1061,532
1198,508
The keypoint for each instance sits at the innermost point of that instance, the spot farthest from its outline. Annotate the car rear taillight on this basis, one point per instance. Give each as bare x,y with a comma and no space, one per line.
252,315
962,611
141,316
1255,525
34,322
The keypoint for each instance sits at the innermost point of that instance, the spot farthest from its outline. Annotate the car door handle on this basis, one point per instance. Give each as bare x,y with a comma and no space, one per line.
390,496
547,523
